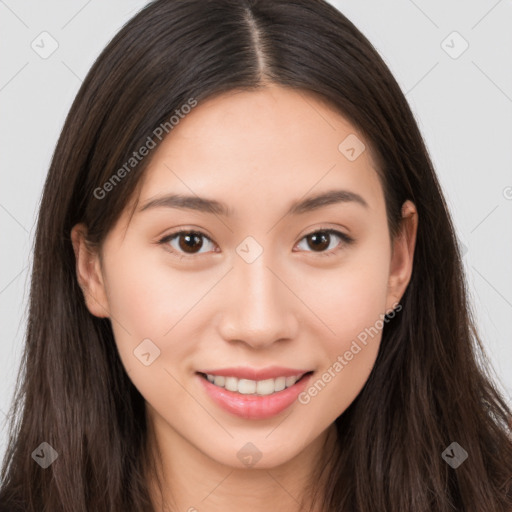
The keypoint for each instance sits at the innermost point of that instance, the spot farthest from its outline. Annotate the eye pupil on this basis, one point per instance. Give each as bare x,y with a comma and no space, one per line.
191,239
322,237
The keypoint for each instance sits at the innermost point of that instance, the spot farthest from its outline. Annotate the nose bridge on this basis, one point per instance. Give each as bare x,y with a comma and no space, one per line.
259,310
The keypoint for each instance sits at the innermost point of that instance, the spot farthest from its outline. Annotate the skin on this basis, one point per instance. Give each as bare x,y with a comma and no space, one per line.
292,306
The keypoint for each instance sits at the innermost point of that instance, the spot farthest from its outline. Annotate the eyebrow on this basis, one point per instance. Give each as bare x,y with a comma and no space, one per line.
202,204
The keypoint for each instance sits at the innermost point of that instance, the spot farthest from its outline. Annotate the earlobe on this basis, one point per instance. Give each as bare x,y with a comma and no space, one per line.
401,265
89,273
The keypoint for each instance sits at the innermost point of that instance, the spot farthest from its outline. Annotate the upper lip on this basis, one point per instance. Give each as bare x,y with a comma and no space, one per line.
245,372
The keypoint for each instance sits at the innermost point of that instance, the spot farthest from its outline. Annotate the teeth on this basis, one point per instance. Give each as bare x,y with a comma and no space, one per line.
280,383
246,386
266,387
218,380
250,387
231,384
290,381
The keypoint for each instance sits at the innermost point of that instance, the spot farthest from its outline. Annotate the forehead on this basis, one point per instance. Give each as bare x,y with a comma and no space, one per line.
264,147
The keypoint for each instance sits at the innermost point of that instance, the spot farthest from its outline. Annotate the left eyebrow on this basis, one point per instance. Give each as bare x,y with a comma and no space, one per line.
326,199
212,206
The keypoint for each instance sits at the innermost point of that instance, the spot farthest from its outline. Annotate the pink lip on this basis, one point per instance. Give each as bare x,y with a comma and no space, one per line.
254,407
245,372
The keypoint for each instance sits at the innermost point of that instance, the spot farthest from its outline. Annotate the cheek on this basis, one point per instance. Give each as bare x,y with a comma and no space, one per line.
151,302
147,296
351,300
151,344
350,297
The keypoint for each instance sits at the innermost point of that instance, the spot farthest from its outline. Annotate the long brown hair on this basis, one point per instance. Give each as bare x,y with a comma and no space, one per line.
431,383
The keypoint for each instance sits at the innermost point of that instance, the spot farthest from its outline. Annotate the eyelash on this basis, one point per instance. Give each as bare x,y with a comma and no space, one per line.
345,240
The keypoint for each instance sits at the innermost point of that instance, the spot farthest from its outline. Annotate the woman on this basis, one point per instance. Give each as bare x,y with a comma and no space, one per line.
247,291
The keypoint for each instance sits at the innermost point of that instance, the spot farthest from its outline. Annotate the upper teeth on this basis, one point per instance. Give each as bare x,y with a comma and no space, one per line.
248,387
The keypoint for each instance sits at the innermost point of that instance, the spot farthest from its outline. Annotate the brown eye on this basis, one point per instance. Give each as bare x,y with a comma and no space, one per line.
320,240
324,243
189,242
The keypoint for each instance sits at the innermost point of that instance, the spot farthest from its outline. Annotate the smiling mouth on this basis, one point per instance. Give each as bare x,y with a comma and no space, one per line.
264,387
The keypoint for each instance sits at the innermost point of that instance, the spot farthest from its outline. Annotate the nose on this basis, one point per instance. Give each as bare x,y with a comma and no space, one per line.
259,308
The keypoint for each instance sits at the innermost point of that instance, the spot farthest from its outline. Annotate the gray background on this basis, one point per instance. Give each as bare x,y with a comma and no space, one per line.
463,104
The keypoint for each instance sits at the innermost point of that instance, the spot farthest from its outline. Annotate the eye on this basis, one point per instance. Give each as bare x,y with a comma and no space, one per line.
188,242
322,239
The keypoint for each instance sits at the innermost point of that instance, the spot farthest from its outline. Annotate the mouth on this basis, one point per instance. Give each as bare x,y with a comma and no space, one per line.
253,399
266,387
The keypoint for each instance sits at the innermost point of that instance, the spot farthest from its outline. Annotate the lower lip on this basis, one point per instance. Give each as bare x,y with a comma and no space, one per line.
254,407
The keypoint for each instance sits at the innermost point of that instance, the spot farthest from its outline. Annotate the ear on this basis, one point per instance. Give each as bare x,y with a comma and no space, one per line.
89,273
400,270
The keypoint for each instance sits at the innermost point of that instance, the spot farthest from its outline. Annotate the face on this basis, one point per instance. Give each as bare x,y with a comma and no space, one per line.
265,284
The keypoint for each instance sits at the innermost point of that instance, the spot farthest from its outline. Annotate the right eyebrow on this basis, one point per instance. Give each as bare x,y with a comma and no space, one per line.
180,201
